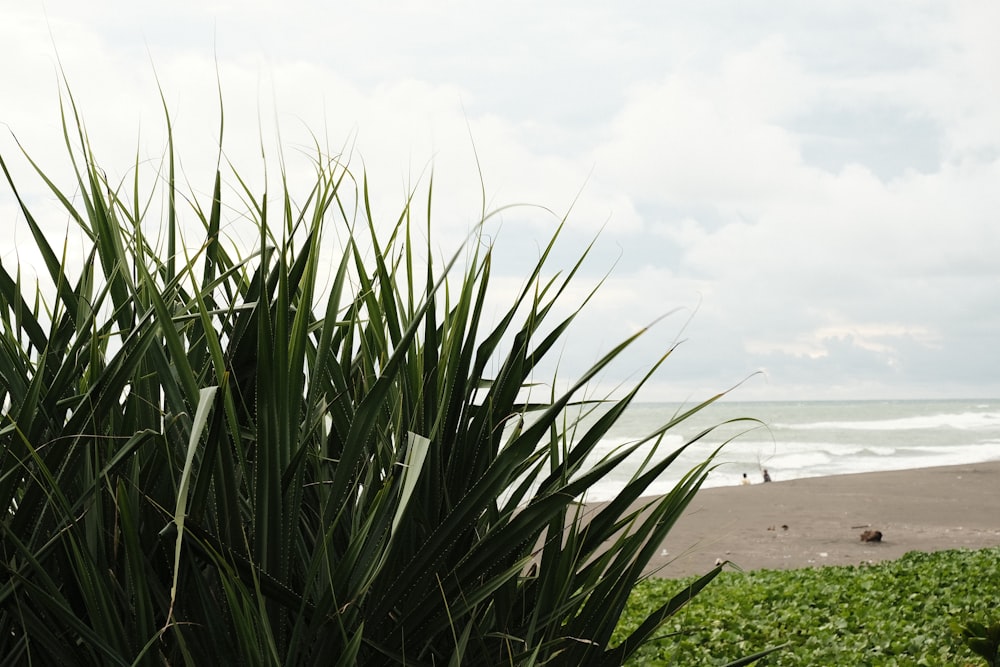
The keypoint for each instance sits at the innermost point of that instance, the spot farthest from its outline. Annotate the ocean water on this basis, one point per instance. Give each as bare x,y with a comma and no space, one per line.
804,439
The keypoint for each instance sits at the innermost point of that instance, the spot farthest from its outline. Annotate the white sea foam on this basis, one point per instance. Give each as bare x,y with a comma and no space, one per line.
964,420
800,460
804,441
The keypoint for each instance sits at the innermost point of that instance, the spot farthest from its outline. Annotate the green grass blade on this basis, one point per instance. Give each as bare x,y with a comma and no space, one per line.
205,399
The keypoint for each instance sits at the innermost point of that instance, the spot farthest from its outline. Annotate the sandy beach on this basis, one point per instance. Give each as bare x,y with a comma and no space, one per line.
819,521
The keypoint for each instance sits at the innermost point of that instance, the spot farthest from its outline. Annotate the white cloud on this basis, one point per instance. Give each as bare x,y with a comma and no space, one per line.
820,183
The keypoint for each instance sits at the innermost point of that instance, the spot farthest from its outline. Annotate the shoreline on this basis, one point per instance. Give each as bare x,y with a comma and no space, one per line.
818,521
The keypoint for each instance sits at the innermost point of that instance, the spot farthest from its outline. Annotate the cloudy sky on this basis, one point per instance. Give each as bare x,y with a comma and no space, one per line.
814,188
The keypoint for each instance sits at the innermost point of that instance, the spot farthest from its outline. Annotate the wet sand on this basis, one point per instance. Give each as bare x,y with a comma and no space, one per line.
818,521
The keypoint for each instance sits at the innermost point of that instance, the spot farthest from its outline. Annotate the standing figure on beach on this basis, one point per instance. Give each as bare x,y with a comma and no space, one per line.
745,481
767,476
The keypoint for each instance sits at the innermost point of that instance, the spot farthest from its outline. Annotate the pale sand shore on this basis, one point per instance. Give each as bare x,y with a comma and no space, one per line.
928,509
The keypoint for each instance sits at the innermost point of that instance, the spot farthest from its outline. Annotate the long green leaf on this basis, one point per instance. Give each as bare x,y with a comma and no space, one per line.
205,399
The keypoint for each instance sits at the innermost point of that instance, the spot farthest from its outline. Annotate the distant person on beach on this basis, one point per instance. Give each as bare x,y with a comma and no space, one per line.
767,476
745,481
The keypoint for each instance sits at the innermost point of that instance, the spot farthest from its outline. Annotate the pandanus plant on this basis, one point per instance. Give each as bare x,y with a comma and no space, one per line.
210,456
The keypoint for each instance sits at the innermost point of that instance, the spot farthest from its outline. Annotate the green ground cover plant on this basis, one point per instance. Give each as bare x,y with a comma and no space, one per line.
216,458
903,612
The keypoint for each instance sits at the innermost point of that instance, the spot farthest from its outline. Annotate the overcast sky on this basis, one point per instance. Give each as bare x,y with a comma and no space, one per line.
816,186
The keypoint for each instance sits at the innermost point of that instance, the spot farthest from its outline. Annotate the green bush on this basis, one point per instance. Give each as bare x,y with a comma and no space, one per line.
208,458
894,613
